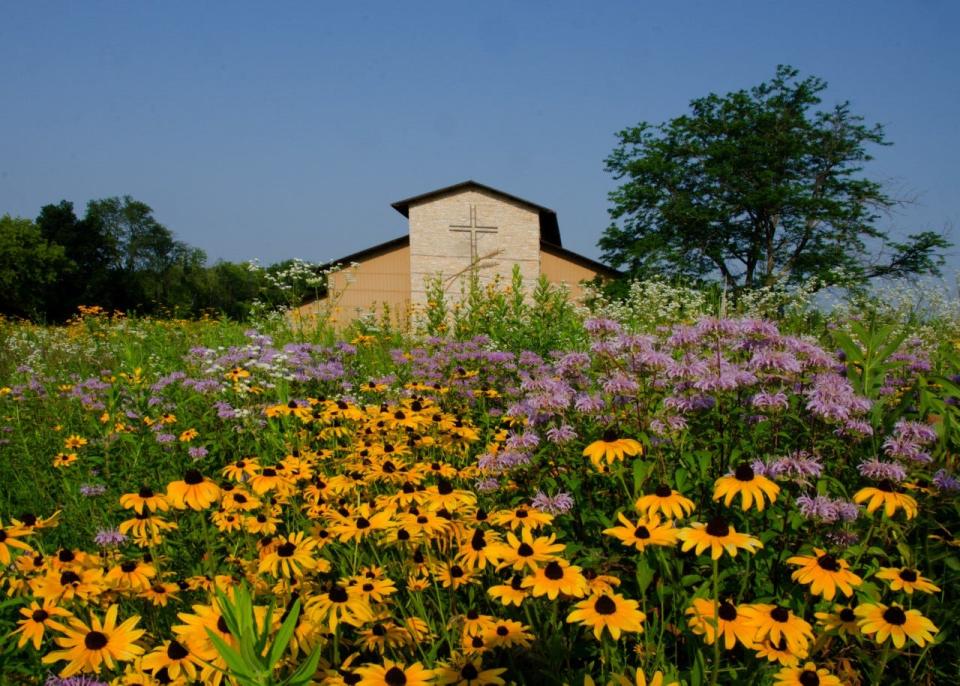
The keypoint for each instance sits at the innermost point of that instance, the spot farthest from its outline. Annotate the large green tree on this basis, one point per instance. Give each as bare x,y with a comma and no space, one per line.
758,187
28,266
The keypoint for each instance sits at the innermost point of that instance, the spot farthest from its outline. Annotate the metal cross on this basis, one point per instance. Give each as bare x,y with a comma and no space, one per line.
473,229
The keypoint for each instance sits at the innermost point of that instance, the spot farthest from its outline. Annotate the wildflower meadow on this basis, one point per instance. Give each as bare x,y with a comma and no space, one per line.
669,489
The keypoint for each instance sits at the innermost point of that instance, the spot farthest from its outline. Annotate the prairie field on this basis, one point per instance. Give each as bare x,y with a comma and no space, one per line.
657,491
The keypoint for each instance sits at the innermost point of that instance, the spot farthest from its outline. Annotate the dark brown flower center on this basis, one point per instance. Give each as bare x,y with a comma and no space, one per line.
727,611
780,614
502,630
524,550
847,615
895,616
68,578
66,555
379,630
193,477
808,678
478,542
469,672
175,651
128,567
338,594
395,677
145,492
829,563
39,615
610,435
663,491
908,575
95,640
553,571
718,527
269,471
744,472
222,626
886,486
363,523
604,605
444,487
456,571
287,549
641,532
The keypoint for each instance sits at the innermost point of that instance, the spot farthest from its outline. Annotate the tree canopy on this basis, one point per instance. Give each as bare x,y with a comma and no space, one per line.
756,188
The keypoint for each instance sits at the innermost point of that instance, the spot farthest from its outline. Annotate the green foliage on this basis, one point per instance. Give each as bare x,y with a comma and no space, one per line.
512,317
256,660
756,187
28,264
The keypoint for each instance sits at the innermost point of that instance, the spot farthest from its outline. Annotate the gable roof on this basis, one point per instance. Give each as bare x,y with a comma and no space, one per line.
549,228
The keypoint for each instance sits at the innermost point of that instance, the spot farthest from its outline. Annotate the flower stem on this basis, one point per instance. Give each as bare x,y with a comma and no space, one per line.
716,624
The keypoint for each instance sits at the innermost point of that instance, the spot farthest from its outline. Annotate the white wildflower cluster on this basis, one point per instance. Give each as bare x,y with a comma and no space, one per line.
928,309
649,303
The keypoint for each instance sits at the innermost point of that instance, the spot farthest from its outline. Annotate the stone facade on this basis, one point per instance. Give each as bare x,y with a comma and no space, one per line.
471,229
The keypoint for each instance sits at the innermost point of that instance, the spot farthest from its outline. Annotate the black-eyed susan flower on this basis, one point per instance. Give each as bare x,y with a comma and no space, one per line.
668,502
143,499
750,486
10,540
468,671
194,491
61,460
68,584
38,618
74,441
718,536
645,532
842,620
896,623
477,548
392,673
261,524
907,580
241,470
510,593
339,604
193,633
556,577
611,448
452,575
611,611
780,652
506,633
658,679
885,494
87,647
173,657
382,636
807,675
527,551
824,573
131,575
705,620
160,593
292,556
774,622
521,517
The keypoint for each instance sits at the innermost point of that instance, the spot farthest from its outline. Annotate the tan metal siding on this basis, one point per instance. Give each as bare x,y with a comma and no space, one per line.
560,270
377,281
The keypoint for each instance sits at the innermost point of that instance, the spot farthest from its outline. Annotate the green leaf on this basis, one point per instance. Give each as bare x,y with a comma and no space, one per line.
283,636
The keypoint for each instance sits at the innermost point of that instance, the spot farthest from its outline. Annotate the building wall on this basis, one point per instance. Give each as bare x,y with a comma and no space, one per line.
437,250
559,269
380,280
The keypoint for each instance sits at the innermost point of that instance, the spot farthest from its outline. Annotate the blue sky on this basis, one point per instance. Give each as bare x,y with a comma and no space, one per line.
276,130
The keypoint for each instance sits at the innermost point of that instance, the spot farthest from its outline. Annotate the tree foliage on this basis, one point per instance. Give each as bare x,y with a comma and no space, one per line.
757,187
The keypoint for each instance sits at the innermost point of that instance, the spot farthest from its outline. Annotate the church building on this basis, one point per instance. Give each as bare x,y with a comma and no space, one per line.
454,232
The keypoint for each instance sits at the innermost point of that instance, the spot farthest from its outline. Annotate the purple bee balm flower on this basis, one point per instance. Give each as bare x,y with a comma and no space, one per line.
827,510
945,481
842,539
80,680
600,326
107,538
197,452
561,434
165,438
772,402
92,490
798,467
488,485
878,470
561,503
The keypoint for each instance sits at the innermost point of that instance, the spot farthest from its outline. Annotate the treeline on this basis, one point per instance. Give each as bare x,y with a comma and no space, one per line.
118,256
